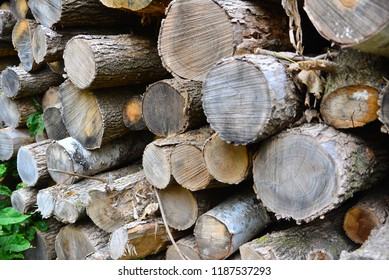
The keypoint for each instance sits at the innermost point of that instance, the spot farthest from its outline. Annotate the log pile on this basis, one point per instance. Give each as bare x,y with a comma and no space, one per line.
197,129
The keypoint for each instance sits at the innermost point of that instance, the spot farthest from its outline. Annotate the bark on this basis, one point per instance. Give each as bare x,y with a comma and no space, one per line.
68,155
132,113
11,140
32,165
222,230
258,98
108,61
188,248
383,110
209,30
24,199
153,7
8,61
53,121
76,242
15,112
94,118
182,108
7,49
305,172
358,24
130,198
7,23
99,255
156,156
18,83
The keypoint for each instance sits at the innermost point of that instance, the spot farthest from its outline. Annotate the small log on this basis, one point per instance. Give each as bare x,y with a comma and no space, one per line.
383,110
11,140
18,83
5,6
94,118
188,248
222,230
358,24
31,164
225,162
140,239
319,240
156,156
54,125
153,7
132,113
68,155
304,172
75,242
45,200
131,198
112,61
368,213
258,98
24,199
15,112
196,34
182,108
57,67
19,9
51,97
7,23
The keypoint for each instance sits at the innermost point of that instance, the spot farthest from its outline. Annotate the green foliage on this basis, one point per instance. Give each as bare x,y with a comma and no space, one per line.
35,120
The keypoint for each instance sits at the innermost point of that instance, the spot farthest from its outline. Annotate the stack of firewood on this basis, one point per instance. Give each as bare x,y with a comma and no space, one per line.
197,129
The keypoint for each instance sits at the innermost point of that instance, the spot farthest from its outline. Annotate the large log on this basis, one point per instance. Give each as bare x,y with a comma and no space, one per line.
67,157
32,165
11,140
108,61
304,172
94,118
14,113
128,199
222,230
24,199
362,25
156,156
196,34
18,83
132,113
7,23
182,107
188,248
153,7
258,98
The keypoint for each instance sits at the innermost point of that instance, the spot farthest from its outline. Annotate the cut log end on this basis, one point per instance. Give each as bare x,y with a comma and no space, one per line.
118,243
10,82
27,167
66,212
46,204
156,164
58,159
39,49
132,113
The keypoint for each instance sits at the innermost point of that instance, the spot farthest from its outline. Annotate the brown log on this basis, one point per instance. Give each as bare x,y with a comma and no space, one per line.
182,108
18,83
383,110
32,165
15,112
7,23
352,90
19,9
358,24
209,30
108,61
68,155
258,98
222,230
11,140
153,7
140,239
24,199
304,172
188,248
368,213
94,118
132,113
75,242
225,162
156,156
128,199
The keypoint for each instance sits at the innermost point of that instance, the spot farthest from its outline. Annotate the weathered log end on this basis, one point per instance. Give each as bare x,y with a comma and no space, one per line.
11,140
132,113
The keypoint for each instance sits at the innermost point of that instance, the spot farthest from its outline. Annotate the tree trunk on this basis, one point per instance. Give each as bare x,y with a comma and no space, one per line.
7,23
15,112
75,242
182,107
68,155
156,156
32,165
258,98
196,34
368,213
94,118
153,7
54,125
227,163
320,240
11,140
24,199
352,91
140,239
305,172
108,61
359,24
188,248
19,9
220,231
132,113
383,110
130,198
18,83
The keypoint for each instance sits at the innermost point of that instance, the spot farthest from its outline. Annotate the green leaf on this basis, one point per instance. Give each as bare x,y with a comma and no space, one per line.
10,216
30,233
14,243
21,185
4,190
5,203
3,170
41,225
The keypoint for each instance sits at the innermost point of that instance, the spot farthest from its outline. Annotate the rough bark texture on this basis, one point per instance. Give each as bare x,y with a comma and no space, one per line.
363,25
188,248
383,111
32,165
132,113
304,172
117,60
222,230
196,34
11,140
94,118
182,108
24,199
248,98
54,125
154,7
14,113
7,23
